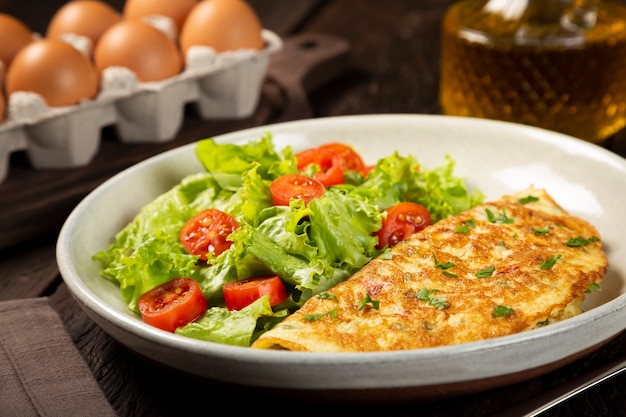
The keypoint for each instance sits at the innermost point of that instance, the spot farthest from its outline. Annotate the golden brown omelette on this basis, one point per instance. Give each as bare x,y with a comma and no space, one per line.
503,267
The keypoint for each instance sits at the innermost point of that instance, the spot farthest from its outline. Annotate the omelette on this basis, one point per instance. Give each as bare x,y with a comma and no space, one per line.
503,267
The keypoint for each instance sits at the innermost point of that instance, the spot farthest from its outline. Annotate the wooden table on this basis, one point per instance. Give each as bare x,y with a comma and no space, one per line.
360,56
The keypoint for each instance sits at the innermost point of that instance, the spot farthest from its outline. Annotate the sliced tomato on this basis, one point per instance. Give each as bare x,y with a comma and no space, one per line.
207,232
329,162
295,186
172,304
402,220
350,158
243,293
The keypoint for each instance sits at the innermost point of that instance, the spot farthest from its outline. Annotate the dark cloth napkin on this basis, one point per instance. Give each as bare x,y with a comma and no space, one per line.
41,371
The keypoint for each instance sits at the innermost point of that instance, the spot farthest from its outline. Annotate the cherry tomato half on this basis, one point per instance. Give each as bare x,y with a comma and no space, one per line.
207,232
350,158
295,186
172,304
402,220
331,166
243,293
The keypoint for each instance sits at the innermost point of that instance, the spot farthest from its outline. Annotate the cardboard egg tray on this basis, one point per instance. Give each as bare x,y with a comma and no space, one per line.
223,86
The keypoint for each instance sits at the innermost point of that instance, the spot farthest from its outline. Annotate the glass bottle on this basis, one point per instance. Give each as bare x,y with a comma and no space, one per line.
556,64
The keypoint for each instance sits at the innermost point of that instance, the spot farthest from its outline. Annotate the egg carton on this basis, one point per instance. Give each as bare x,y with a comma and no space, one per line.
224,85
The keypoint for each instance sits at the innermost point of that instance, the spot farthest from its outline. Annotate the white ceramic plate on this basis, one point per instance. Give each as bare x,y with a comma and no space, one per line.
499,158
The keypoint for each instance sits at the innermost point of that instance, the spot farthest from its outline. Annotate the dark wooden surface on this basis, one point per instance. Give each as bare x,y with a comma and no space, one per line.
371,57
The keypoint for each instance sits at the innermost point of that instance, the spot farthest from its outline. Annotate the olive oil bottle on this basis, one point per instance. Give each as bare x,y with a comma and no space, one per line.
555,64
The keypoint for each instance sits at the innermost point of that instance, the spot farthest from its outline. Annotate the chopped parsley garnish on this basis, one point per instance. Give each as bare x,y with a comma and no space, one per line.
501,219
592,287
428,326
528,199
425,294
313,317
581,241
447,265
543,231
485,272
549,263
461,229
368,300
501,311
327,295
464,228
439,303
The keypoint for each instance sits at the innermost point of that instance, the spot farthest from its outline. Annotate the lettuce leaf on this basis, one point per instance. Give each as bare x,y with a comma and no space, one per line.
237,328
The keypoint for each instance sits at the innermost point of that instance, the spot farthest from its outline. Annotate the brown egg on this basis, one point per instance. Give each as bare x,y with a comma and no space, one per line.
140,47
89,18
14,35
55,70
224,25
175,10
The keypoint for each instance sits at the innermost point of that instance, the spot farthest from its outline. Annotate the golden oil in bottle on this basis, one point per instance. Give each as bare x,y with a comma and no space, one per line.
555,64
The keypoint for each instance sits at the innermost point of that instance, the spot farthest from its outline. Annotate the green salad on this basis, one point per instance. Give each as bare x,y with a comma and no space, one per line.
311,246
